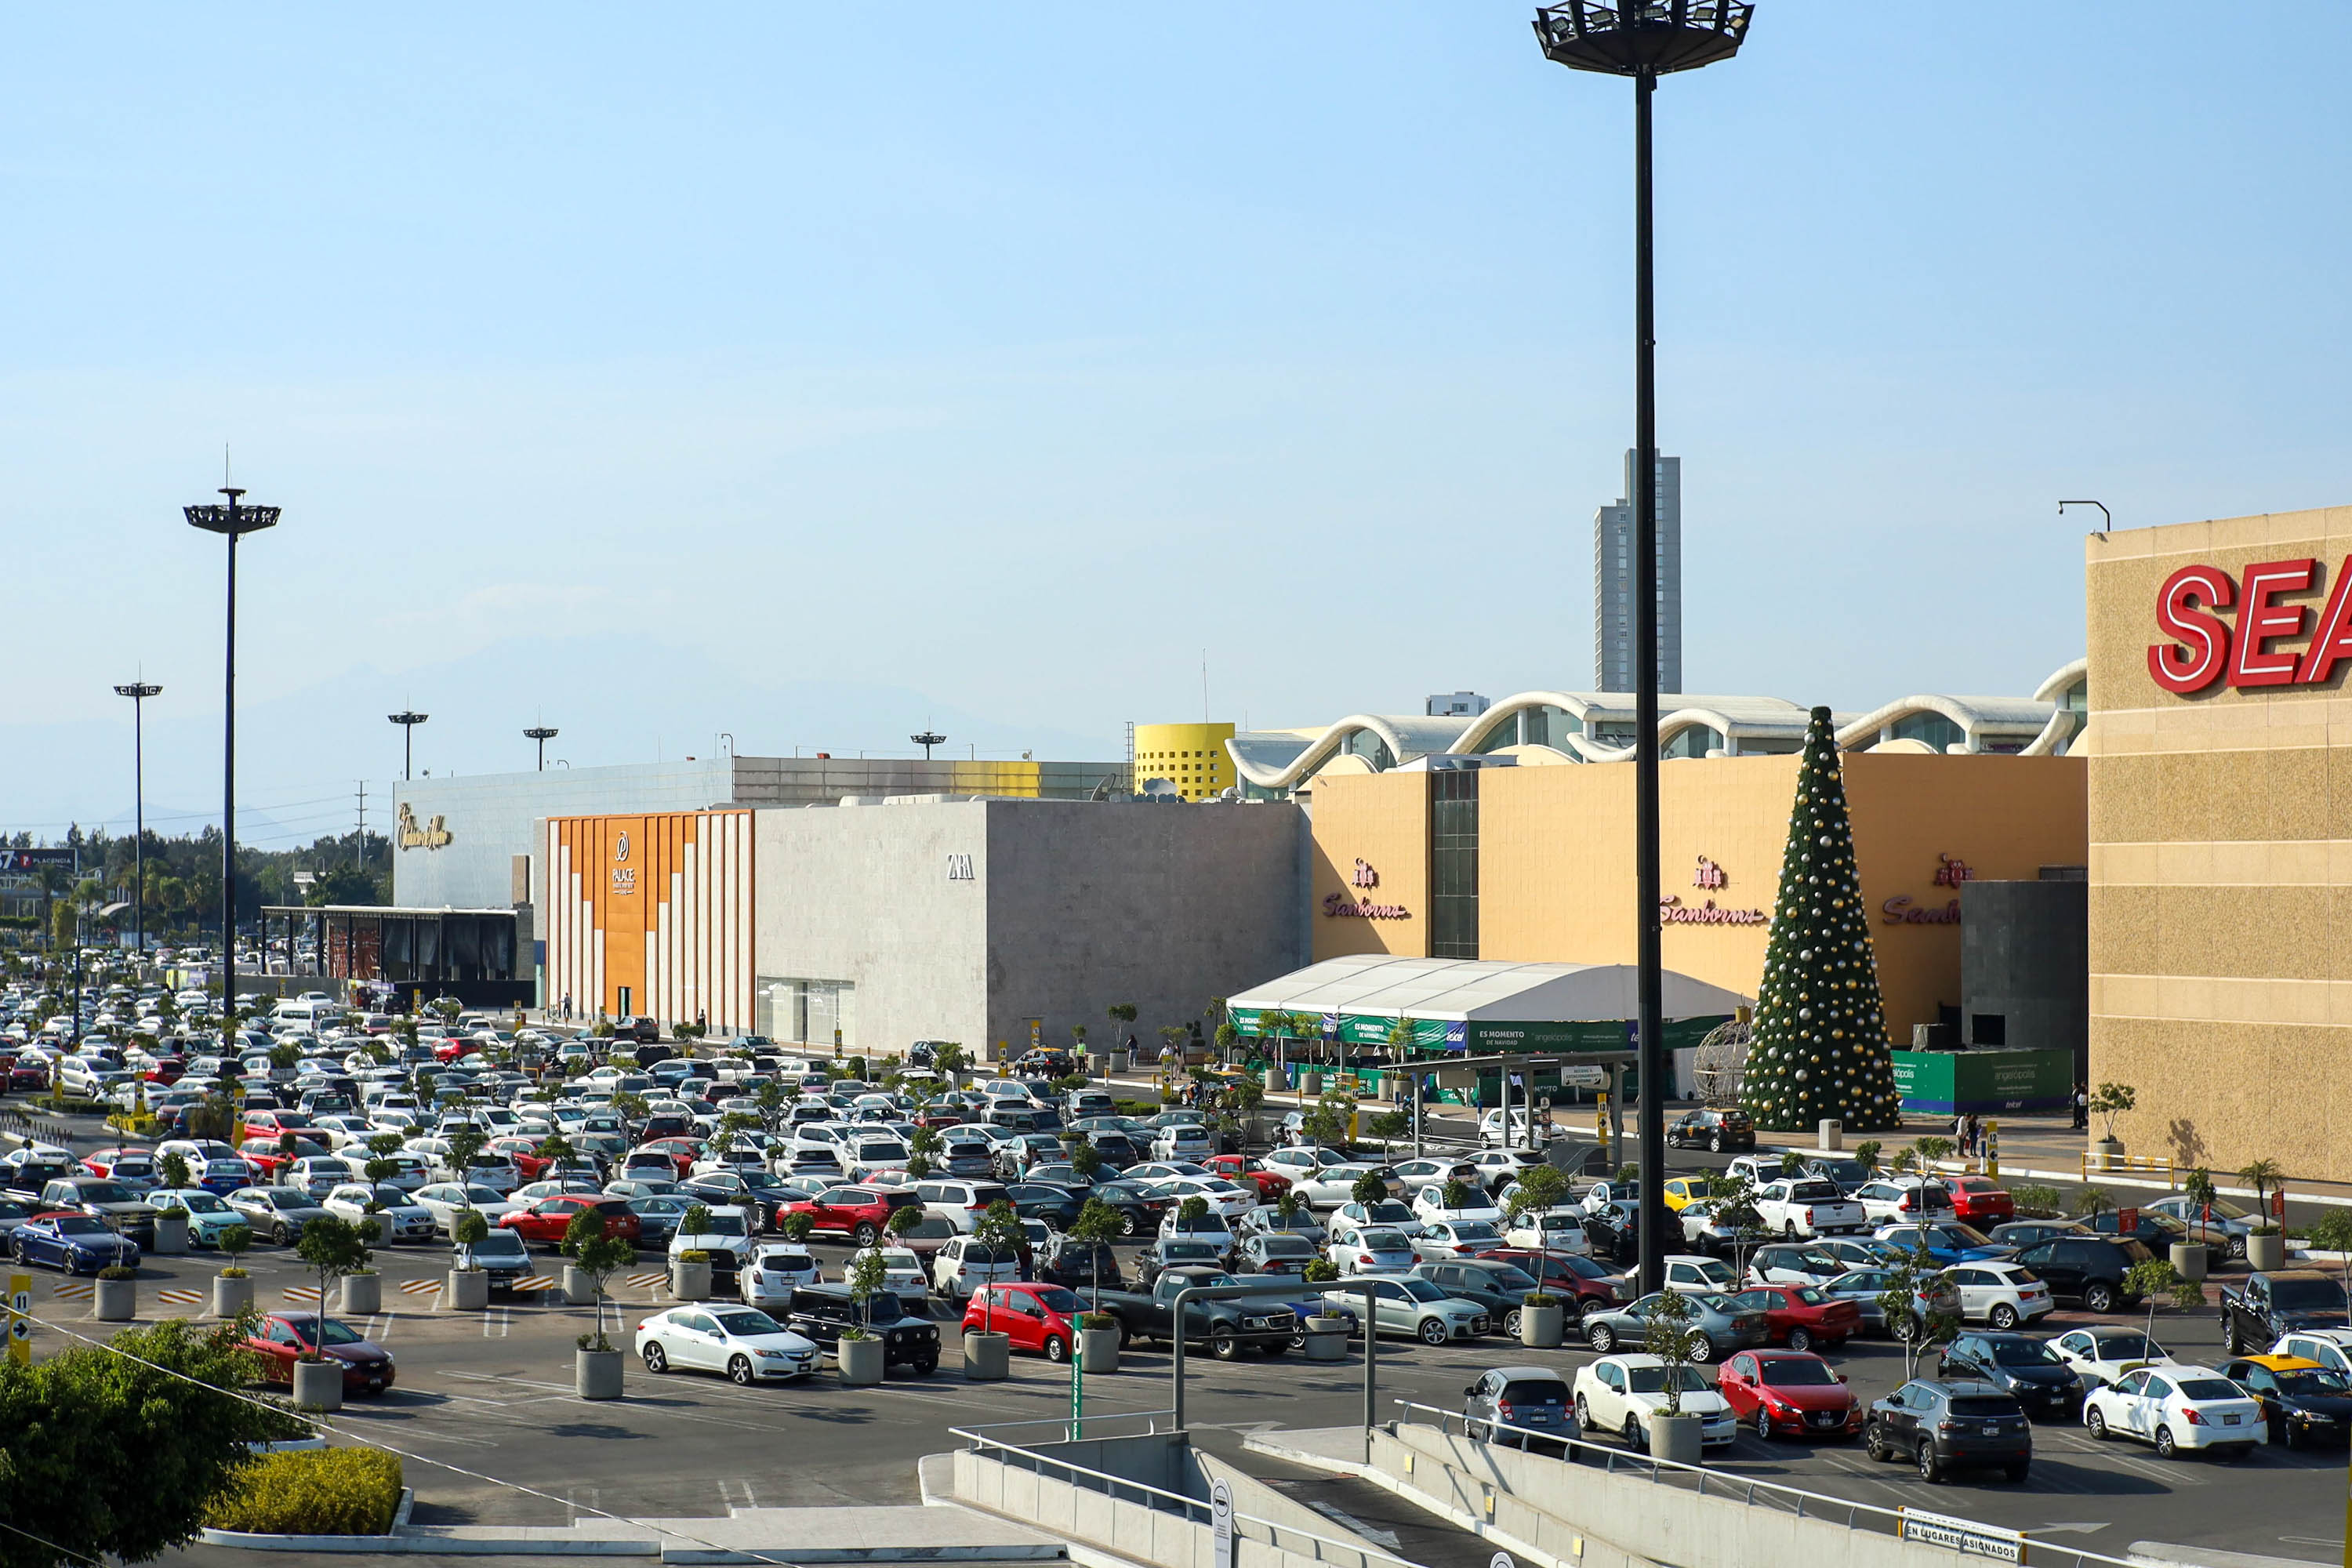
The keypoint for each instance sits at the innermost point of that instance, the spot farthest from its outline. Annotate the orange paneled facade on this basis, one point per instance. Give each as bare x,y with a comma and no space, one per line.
651,915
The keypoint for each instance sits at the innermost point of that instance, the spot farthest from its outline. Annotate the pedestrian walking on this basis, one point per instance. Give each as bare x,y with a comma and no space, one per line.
2082,1105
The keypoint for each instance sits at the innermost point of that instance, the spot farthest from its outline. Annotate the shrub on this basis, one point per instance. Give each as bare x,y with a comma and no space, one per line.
329,1492
2035,1200
116,1271
1321,1271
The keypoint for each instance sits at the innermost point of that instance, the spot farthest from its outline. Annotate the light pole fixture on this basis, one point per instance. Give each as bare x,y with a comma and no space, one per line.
542,734
407,720
2107,519
1645,39
927,740
138,691
231,521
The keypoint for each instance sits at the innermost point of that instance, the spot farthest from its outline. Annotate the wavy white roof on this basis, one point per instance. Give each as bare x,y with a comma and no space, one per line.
1446,989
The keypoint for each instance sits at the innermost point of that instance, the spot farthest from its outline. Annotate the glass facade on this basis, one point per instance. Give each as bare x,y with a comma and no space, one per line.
1454,863
807,1011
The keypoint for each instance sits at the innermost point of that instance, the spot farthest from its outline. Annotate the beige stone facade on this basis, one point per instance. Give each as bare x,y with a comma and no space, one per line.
2221,856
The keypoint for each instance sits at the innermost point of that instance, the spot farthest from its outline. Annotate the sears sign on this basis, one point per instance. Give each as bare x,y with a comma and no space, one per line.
2205,649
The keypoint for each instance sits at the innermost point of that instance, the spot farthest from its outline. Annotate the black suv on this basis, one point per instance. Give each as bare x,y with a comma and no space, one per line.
820,1312
2020,1364
1939,1425
1075,1264
1714,1130
2086,1268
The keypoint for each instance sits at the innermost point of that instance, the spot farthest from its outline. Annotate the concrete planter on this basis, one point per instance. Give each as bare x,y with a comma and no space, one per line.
1273,1079
118,1300
1099,1062
987,1358
319,1385
171,1235
1097,1351
231,1297
1118,1061
688,1281
859,1361
2105,1152
1543,1328
1674,1437
1310,1084
1327,1337
596,1375
363,1295
2189,1260
2264,1253
466,1289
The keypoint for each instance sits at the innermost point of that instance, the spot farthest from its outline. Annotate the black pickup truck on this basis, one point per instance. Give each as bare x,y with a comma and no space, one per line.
2268,1305
1226,1327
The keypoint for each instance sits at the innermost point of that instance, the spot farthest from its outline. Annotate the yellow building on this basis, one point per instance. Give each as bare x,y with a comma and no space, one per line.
1536,864
2221,860
1189,756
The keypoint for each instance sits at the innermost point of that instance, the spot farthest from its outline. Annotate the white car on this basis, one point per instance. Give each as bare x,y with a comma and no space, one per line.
2002,1294
1693,1275
2176,1407
965,1264
1225,1198
743,1342
1809,1206
2103,1355
1896,1200
1302,1163
1619,1394
963,1204
1490,1128
1374,1249
730,1232
1458,1238
1183,1141
872,1150
1550,1230
1429,1205
1329,1185
398,1216
1423,1173
2331,1348
903,1274
445,1201
1499,1169
1211,1228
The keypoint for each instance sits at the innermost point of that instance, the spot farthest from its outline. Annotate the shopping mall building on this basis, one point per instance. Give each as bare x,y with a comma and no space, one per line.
2221,837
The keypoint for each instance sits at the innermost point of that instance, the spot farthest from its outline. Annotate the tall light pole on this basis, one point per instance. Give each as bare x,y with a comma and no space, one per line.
138,691
1645,39
408,719
542,734
231,521
927,740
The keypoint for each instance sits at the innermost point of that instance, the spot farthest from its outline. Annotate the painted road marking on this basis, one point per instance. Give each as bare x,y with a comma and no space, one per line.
647,1281
66,1291
181,1298
421,1287
496,1324
535,1282
306,1294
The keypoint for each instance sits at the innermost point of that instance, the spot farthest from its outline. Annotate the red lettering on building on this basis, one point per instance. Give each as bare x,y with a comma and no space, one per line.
1952,873
2261,618
1340,905
2331,643
2198,647
1901,911
1672,911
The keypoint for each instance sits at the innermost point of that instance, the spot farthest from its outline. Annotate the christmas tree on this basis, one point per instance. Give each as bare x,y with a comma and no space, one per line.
1819,1048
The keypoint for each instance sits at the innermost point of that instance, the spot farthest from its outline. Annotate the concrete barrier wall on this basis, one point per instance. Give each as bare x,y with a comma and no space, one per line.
1551,1506
1131,1529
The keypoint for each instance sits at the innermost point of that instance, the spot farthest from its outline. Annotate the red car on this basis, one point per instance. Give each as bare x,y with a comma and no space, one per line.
1243,1170
265,1127
857,1212
280,1338
1041,1318
268,1159
1789,1393
682,1153
450,1050
547,1220
1980,1200
523,1152
1588,1284
168,1070
1801,1317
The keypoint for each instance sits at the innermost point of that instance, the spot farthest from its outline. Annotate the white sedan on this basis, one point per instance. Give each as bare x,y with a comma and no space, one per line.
1372,1250
1550,1230
775,1270
398,1216
2177,1407
2103,1355
1458,1238
1619,1394
902,1271
1429,1202
743,1342
1417,1175
445,1201
2002,1294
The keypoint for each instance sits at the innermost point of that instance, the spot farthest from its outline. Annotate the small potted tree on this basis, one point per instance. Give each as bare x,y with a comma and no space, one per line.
1097,1226
2189,1258
118,1294
233,1287
172,1227
988,1353
335,1248
1674,1434
1543,1316
1325,1337
596,1364
2109,1101
1115,1054
2267,1241
689,1271
469,1283
857,1354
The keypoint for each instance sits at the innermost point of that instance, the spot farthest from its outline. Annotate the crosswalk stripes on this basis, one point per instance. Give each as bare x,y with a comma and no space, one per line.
306,1294
420,1286
181,1298
536,1282
66,1291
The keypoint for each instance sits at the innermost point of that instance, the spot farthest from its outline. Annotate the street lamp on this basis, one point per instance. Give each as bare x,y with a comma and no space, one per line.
407,720
138,691
230,521
927,740
1645,39
542,734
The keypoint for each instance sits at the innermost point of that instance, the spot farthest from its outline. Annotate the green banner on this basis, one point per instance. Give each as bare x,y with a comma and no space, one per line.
1952,1082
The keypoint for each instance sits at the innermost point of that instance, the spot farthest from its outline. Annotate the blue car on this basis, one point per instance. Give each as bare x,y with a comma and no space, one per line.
1948,1242
76,1243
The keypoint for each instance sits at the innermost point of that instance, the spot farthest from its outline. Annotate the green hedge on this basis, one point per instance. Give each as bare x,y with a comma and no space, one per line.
319,1491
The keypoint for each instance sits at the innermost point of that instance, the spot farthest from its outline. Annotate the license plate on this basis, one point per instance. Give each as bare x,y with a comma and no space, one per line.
2229,1421
1991,1431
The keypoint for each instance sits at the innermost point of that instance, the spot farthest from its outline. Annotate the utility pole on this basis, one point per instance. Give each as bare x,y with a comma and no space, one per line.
359,846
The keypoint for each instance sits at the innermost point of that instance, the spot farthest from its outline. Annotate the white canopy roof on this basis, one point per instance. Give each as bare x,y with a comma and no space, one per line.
1484,990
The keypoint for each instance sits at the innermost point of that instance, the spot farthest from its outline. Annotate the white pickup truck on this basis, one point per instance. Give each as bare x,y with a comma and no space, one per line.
1807,1205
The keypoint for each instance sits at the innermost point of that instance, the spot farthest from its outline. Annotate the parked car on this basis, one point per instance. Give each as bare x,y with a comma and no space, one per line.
967,1263
1808,1205
1226,1328
1422,1308
858,1212
1500,1290
2176,1407
2269,1306
1620,1393
1079,1264
1040,1318
2221,1219
445,1201
2102,1354
2092,1269
1714,1130
1374,1249
1789,1393
500,1254
1946,1241
1264,1252
1794,1263
281,1339
544,1222
1719,1324
774,1270
1980,1200
396,1216
1803,1316
1589,1286
2159,1233
820,1313
1899,1199
1940,1426
2002,1294
2018,1365
120,1207
274,1214
1522,1407
76,1243
209,1216
745,1344
2302,1402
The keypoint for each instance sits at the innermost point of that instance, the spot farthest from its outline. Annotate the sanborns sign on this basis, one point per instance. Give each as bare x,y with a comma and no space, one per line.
2204,648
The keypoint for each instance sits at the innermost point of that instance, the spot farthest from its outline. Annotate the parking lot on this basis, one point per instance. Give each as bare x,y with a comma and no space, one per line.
490,1394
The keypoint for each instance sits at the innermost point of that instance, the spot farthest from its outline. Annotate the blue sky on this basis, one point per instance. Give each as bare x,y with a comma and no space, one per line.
814,373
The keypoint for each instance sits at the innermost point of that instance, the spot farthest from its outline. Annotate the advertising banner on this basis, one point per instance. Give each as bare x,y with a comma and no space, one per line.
1948,1083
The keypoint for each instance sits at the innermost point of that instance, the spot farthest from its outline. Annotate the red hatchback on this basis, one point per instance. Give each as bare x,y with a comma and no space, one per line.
857,1212
1589,1286
547,1220
1247,1172
1801,1317
524,1151
1040,1318
1789,1393
1980,1200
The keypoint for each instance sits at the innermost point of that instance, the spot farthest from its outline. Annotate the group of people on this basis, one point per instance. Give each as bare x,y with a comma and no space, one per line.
1968,1133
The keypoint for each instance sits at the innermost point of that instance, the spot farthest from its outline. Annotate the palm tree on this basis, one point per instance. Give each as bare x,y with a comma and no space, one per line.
2263,1175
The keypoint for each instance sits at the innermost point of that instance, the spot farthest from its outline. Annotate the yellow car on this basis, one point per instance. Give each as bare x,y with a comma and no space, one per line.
1683,1191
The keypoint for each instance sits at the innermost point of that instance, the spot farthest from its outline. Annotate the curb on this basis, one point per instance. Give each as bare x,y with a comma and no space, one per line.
259,1541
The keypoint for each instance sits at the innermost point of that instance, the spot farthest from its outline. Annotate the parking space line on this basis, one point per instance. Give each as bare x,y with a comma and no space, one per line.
497,1325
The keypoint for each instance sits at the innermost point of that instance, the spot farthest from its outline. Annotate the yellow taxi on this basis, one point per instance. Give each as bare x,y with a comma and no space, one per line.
1681,1192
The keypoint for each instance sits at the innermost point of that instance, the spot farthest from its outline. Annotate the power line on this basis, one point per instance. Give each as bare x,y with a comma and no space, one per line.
62,1551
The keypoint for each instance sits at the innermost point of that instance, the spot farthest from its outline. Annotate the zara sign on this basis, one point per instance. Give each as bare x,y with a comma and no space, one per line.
2202,649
